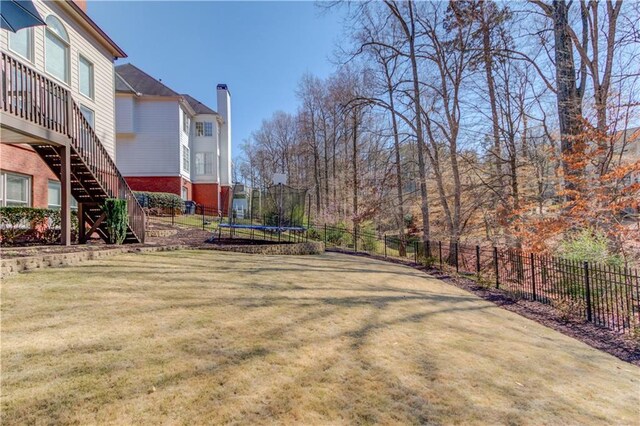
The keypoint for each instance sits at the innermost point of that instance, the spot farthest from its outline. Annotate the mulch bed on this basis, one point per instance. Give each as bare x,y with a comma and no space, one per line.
621,346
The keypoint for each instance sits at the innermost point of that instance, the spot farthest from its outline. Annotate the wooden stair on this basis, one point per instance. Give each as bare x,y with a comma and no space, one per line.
32,97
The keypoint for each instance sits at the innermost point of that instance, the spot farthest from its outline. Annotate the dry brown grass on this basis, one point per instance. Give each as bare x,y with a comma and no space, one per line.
198,337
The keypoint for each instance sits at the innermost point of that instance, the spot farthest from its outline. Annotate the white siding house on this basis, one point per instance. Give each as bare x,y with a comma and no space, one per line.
171,142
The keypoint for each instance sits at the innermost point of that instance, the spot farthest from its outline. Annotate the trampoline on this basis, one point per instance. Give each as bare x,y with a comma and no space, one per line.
263,227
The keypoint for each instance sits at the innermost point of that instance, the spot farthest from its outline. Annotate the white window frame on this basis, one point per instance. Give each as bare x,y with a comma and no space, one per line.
92,122
201,160
186,159
92,88
208,128
185,122
74,203
199,128
30,47
3,189
184,193
67,58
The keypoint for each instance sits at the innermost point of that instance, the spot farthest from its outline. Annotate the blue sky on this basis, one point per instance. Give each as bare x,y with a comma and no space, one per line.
259,49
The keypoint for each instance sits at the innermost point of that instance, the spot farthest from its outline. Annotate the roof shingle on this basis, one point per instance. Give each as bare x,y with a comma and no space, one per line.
131,79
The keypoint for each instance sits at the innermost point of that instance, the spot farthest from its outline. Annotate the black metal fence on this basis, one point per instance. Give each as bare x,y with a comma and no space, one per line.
603,294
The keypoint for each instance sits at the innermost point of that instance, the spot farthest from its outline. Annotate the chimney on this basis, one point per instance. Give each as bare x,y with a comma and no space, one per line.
224,109
82,4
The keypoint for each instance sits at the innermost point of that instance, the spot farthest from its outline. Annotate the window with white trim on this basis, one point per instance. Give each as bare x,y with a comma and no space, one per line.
54,196
89,114
185,122
85,77
199,128
15,189
56,49
186,160
21,42
208,128
185,193
204,163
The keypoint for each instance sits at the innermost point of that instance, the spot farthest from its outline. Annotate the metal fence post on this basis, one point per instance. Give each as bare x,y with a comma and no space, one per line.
203,217
173,215
587,292
533,276
385,245
325,234
415,251
440,251
495,264
355,239
456,247
478,261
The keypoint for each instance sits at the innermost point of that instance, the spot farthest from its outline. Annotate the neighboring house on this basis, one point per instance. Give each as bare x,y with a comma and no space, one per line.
171,142
241,201
52,77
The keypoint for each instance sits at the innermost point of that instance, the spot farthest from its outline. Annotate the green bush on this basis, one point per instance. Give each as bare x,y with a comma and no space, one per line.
116,219
589,246
28,224
339,235
159,200
367,236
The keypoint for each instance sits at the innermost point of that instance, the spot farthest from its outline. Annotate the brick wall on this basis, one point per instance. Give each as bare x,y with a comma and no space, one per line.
171,184
207,194
24,160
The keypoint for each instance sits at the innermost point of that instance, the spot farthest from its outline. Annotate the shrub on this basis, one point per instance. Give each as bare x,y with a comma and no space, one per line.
28,224
367,234
116,219
589,246
159,201
339,235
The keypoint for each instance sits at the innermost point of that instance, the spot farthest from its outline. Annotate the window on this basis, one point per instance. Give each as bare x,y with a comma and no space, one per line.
185,122
56,49
186,161
204,163
85,77
22,43
208,128
89,115
199,129
15,190
185,193
54,196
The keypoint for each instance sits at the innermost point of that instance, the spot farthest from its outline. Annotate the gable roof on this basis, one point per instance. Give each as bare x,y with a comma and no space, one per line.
133,78
198,106
91,26
122,85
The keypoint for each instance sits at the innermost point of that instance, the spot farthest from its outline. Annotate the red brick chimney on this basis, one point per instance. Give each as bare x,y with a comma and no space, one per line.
82,4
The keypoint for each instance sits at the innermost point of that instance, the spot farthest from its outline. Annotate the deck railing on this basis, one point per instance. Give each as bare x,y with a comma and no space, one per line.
31,96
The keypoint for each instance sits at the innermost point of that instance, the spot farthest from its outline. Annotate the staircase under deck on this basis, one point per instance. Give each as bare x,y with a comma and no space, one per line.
41,113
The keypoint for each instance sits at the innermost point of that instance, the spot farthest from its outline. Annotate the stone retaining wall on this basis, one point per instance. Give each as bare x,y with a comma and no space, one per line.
306,248
160,232
30,263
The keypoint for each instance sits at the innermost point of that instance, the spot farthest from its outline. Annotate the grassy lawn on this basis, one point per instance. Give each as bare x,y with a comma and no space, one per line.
195,337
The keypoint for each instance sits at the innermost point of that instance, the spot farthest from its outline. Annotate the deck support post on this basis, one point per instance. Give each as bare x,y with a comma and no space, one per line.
65,186
82,230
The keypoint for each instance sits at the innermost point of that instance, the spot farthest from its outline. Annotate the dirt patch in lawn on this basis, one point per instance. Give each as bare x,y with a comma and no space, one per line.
206,337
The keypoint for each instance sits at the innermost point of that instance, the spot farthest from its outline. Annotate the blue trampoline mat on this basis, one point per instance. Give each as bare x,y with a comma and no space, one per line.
262,227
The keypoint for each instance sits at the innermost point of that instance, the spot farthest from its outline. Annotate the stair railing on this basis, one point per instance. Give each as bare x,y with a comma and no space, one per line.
33,97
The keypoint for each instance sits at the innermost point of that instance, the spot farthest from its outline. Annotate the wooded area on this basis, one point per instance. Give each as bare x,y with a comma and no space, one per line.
511,124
